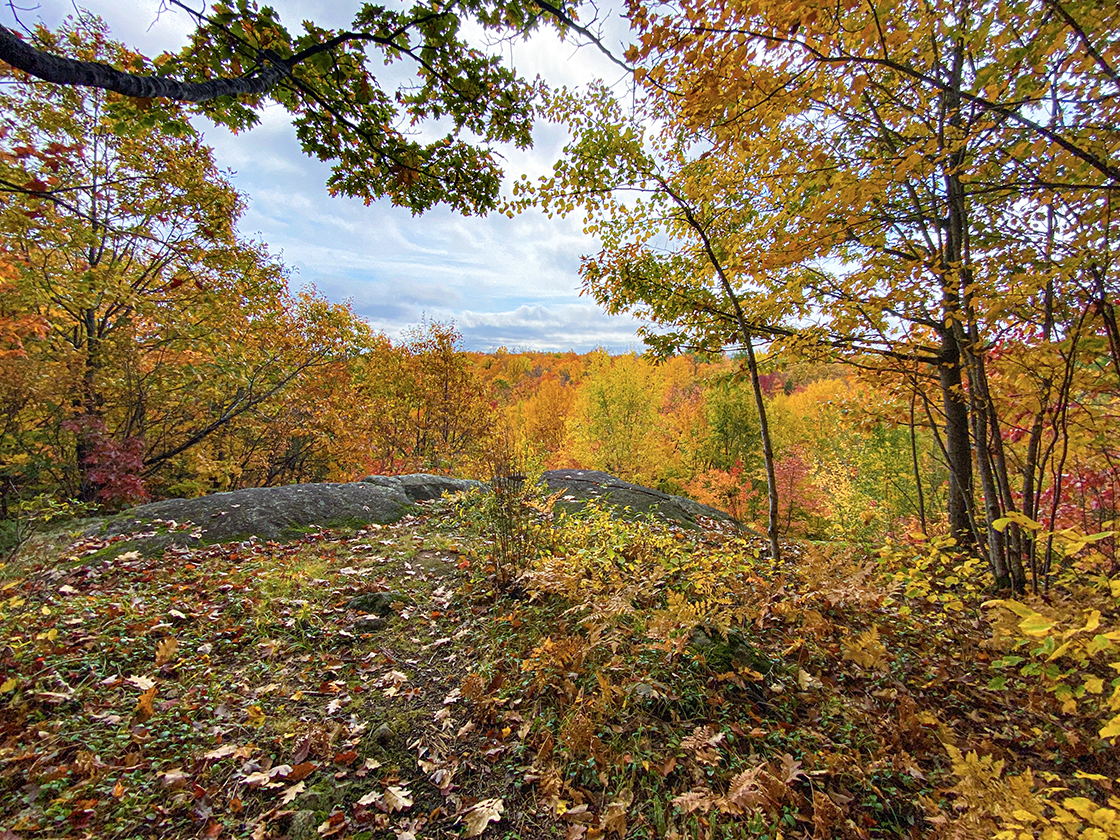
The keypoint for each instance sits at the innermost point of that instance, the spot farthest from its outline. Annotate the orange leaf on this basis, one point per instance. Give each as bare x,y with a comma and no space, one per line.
144,708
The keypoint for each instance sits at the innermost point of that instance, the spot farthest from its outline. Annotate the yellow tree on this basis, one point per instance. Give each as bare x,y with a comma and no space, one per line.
162,327
614,423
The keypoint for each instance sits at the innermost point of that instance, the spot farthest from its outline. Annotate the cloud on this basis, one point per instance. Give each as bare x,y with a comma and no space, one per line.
511,282
574,326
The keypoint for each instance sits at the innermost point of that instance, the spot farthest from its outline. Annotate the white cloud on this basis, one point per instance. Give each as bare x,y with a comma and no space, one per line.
505,282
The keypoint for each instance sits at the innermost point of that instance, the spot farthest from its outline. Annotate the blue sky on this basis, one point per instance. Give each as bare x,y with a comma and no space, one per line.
504,282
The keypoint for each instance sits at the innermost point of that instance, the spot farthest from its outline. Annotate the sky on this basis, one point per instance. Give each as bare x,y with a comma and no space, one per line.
504,282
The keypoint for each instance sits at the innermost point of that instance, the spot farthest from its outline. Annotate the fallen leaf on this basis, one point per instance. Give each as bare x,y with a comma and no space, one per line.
346,757
614,818
173,779
144,708
221,752
302,771
166,650
481,815
292,792
397,799
142,683
790,769
334,825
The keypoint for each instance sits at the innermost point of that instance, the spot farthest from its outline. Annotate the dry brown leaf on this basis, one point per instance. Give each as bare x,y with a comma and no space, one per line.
142,683
166,650
370,798
790,769
481,815
397,799
825,815
173,779
144,708
614,818
334,825
292,792
302,771
221,752
694,800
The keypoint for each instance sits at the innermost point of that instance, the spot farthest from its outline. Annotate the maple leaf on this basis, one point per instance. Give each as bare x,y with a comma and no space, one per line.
292,792
166,650
481,815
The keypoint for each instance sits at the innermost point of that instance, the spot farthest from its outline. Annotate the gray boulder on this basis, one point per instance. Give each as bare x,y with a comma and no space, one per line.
578,486
421,487
271,513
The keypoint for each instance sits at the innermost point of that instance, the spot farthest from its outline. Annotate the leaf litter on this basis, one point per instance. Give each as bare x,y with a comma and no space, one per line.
673,686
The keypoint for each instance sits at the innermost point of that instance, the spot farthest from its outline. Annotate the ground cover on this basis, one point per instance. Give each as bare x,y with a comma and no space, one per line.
609,679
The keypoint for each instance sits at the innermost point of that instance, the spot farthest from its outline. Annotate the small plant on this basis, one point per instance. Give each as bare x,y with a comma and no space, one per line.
515,511
31,515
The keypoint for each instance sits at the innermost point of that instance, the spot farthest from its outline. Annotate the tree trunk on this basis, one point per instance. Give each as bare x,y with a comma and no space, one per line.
958,450
767,449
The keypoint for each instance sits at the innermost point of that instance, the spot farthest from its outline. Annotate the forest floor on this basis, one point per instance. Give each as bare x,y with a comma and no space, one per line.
640,681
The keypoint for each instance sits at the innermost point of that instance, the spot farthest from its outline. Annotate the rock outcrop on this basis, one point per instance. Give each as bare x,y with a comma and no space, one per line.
578,486
276,513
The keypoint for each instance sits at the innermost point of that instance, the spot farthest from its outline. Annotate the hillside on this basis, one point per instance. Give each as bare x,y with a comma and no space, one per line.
601,678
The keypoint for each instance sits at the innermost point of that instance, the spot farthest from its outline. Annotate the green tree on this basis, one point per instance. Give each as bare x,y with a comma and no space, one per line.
614,423
242,57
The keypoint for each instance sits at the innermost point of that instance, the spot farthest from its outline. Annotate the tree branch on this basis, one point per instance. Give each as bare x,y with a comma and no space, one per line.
69,71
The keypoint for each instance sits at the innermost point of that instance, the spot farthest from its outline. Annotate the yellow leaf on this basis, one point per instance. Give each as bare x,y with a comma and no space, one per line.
9,685
1111,729
1093,622
256,715
1036,625
1061,649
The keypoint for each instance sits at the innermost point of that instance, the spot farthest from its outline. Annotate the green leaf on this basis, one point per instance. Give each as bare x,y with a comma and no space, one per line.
1036,624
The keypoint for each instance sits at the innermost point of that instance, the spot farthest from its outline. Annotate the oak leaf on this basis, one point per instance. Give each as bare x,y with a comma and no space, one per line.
166,650
144,708
481,815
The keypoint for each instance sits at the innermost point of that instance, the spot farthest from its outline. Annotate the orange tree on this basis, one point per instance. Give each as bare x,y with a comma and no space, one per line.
160,326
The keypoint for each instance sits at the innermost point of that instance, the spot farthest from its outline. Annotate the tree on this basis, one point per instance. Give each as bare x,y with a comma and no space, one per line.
426,407
242,57
639,193
614,422
912,179
160,327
